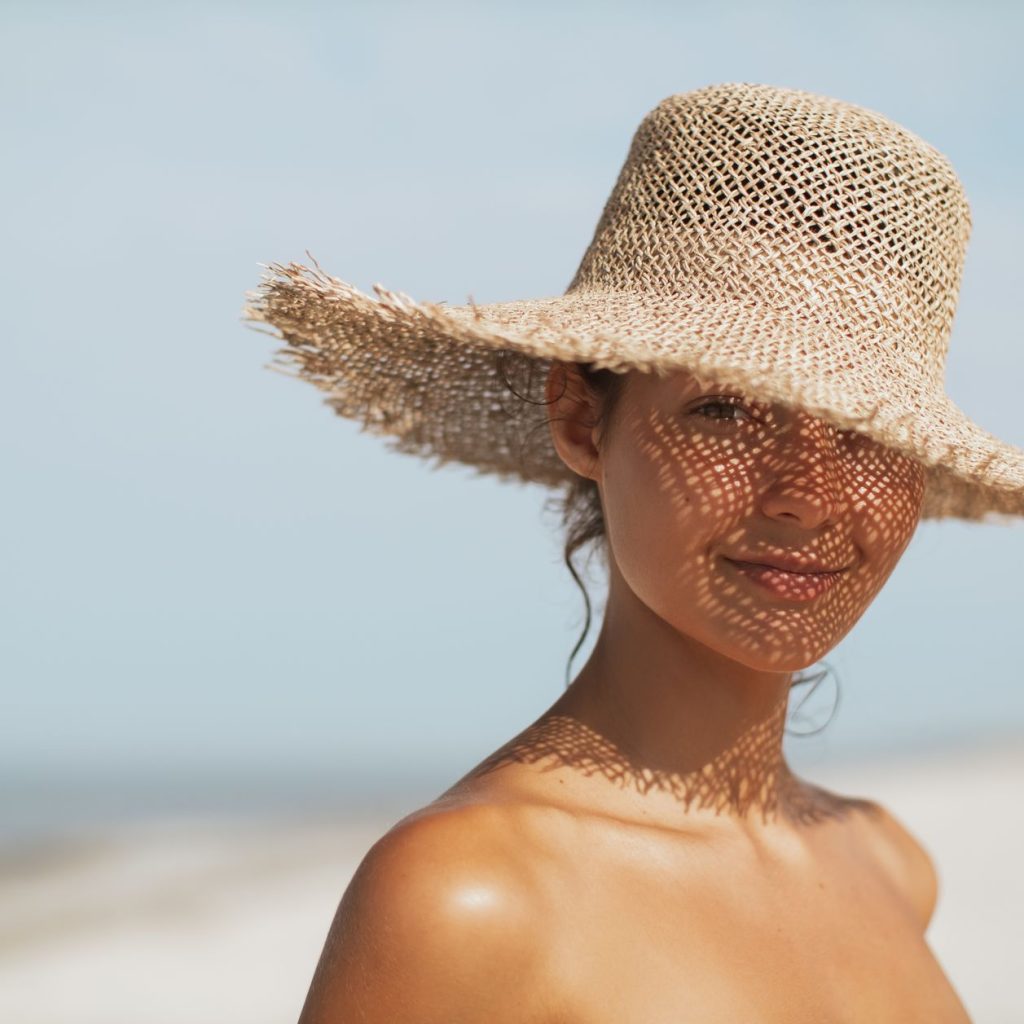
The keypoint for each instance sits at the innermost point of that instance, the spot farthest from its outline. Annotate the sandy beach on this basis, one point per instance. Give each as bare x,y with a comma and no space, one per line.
202,921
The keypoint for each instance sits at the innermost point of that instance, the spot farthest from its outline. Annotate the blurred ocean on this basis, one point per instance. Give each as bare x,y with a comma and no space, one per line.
45,806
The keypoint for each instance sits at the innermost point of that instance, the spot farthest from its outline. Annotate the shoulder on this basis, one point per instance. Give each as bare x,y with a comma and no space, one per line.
438,923
905,859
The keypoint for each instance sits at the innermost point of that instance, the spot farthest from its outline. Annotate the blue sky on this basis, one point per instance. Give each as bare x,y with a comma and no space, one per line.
207,571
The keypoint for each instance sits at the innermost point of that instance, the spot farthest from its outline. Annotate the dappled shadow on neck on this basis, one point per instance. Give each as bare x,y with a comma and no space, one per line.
748,780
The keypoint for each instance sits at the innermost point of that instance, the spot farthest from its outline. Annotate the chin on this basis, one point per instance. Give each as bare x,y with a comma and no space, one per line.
755,656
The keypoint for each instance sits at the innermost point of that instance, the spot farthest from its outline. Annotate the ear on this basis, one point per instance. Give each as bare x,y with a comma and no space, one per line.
572,419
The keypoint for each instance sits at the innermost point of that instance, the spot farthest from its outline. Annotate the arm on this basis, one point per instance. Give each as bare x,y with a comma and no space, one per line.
910,865
431,930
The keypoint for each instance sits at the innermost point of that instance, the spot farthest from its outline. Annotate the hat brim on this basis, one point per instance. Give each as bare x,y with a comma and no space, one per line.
435,379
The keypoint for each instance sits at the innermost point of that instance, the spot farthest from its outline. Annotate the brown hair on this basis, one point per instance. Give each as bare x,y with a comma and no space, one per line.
579,503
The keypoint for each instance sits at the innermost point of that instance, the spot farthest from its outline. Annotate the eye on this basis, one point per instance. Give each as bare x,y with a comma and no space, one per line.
724,404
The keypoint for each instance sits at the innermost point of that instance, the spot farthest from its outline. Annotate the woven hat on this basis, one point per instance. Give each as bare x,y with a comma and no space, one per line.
796,247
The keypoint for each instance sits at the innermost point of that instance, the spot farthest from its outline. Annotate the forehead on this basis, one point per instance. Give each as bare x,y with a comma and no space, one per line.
680,382
651,390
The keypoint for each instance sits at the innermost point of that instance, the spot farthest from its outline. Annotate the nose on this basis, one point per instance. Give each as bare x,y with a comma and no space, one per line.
805,481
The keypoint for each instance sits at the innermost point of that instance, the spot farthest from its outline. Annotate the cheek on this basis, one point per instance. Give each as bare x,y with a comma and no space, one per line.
667,497
887,492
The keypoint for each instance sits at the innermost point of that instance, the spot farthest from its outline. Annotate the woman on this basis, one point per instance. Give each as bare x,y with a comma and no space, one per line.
741,392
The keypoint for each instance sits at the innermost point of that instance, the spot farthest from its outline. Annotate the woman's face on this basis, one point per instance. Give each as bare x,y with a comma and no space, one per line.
695,477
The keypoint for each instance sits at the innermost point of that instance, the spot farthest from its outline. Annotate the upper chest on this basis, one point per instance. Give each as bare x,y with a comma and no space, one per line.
646,930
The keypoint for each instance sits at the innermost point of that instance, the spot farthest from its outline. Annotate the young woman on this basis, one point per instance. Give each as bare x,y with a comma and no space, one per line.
741,395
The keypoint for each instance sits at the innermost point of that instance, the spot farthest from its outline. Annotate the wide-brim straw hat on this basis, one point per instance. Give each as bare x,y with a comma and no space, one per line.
798,248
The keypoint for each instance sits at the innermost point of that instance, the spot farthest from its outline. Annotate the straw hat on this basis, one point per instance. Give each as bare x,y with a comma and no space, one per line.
798,248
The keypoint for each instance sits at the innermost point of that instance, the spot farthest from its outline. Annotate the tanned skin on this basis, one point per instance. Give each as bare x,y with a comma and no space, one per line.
642,853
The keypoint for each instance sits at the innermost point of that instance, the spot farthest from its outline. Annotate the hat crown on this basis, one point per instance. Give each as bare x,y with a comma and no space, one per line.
811,206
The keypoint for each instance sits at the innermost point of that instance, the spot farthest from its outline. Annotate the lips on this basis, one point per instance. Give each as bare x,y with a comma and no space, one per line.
785,584
804,568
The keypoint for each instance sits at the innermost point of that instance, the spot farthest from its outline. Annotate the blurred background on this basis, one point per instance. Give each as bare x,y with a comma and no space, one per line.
239,638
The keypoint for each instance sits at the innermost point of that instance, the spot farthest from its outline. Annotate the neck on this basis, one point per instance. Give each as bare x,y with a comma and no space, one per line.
685,724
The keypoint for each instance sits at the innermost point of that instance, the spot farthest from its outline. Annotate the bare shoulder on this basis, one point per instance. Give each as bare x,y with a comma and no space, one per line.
439,923
905,859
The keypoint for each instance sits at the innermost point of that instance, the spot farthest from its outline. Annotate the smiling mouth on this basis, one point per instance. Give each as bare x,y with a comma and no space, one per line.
789,572
787,585
798,564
